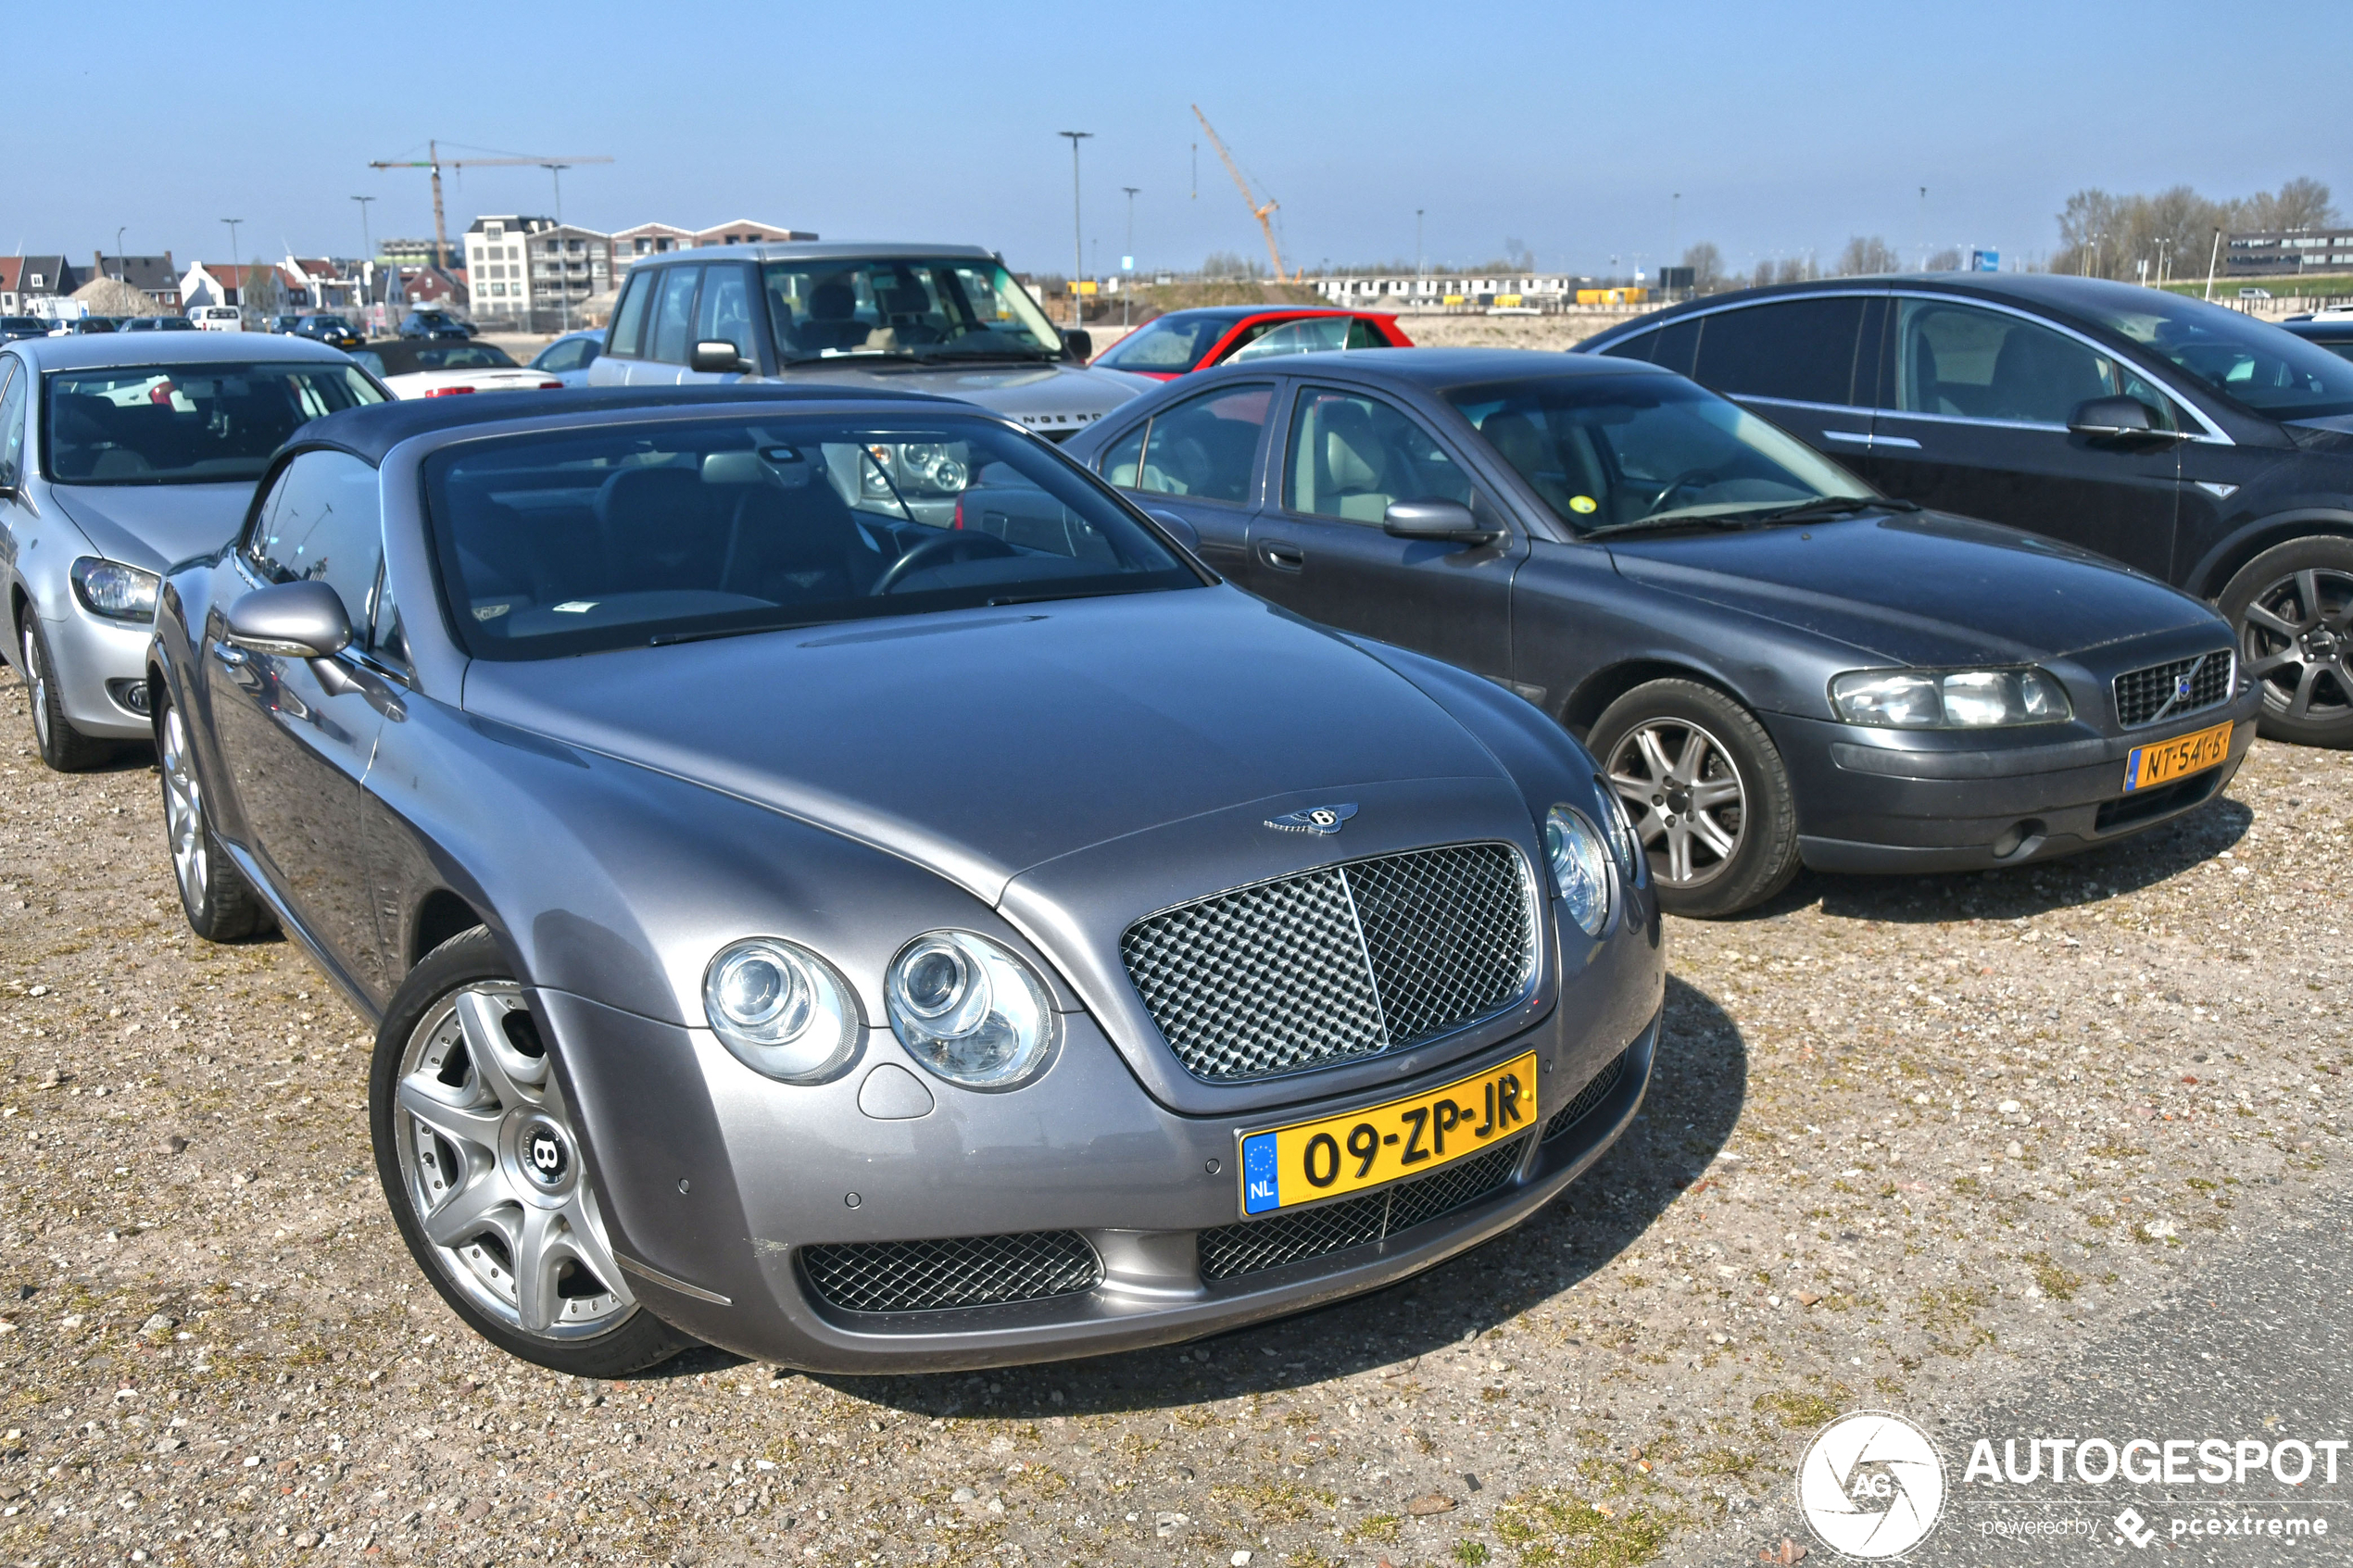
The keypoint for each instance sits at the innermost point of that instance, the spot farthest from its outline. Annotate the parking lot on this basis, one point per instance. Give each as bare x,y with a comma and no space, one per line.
1910,1141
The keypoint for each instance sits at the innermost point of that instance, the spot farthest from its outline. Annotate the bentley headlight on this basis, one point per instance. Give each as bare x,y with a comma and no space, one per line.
1620,826
1948,699
1579,867
970,1012
781,1010
113,590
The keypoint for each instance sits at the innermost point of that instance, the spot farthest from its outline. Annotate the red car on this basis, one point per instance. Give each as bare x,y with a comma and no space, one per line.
1169,346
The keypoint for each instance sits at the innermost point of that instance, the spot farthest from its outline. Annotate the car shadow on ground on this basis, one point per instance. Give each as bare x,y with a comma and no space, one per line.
2128,866
1698,1087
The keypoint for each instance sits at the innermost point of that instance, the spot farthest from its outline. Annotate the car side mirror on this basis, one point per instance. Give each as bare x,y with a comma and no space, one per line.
292,620
717,354
1078,343
1449,521
1187,535
2115,418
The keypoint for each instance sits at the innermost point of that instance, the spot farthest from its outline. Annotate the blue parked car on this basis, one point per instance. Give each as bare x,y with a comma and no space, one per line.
569,356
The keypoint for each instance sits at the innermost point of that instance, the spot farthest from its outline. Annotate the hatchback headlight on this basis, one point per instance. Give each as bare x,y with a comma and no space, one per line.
1948,699
113,590
970,1012
1579,867
781,1010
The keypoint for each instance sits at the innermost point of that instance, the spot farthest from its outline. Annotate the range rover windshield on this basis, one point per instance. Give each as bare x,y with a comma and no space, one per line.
920,309
573,541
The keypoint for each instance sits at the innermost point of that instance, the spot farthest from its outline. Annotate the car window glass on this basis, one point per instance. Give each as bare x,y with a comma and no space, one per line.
1605,450
1673,346
917,307
323,523
673,315
2252,362
388,637
1205,447
1170,345
726,310
1967,363
564,356
12,406
1310,336
205,423
1351,455
629,320
1125,457
1802,350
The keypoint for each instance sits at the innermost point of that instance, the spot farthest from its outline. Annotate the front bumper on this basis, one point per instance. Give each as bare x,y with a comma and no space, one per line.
715,1183
99,667
1874,800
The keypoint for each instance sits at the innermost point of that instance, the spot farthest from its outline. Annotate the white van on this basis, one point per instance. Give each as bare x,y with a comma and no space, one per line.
218,319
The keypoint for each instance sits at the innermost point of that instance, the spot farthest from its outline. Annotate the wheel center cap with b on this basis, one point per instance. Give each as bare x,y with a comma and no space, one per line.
544,1153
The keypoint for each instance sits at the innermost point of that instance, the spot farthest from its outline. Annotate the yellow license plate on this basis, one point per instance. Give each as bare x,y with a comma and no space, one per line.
1284,1167
2178,758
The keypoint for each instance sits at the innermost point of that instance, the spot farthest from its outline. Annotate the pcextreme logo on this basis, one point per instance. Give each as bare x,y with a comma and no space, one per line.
1871,1486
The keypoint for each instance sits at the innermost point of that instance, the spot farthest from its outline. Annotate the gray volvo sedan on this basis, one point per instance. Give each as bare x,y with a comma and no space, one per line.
834,881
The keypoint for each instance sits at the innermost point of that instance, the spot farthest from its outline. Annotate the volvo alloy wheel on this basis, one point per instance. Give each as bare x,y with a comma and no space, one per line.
1686,796
2296,637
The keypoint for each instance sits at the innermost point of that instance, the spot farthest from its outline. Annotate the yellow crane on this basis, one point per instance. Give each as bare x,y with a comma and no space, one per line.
433,160
1257,210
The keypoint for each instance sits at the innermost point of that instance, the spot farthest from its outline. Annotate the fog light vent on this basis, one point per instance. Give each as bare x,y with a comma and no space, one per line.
131,694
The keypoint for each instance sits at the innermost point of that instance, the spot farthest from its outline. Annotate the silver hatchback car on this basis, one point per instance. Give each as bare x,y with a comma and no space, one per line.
120,456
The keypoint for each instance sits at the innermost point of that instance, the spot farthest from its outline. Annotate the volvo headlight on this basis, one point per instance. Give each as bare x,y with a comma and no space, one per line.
1948,699
113,590
781,1010
969,1010
1579,867
1619,826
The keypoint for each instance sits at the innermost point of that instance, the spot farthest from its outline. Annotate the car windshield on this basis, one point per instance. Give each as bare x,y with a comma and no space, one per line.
573,541
184,424
934,309
401,357
1170,345
1619,452
1313,335
2254,363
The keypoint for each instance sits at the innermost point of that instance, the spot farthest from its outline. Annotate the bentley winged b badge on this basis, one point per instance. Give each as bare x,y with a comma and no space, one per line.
1320,819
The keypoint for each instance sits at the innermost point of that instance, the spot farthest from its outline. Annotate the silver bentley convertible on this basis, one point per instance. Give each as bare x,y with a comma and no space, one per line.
834,881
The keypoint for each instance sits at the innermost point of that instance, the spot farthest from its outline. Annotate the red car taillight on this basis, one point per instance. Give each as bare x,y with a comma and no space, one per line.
551,386
445,390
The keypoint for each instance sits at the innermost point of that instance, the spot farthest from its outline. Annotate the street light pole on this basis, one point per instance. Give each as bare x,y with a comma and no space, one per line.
563,264
235,265
367,257
1128,283
1078,228
123,274
1417,255
2212,257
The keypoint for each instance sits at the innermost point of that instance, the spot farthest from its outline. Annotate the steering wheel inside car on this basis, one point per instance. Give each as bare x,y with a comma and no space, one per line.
959,546
1685,480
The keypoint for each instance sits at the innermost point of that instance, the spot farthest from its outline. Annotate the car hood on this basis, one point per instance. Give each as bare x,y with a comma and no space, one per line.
1052,399
980,742
1919,588
156,526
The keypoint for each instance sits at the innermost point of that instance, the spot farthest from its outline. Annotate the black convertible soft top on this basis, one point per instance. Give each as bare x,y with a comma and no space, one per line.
372,432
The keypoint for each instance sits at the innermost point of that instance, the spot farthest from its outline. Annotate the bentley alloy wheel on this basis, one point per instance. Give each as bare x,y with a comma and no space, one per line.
492,1169
1708,794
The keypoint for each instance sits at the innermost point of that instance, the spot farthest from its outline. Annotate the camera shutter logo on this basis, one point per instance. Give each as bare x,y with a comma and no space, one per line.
1871,1484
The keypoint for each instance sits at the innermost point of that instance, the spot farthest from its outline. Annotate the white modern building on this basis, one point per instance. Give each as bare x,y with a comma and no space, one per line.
1405,292
533,271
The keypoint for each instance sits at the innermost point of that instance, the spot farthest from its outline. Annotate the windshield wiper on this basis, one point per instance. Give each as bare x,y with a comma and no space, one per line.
837,356
1738,519
1046,596
671,639
1835,506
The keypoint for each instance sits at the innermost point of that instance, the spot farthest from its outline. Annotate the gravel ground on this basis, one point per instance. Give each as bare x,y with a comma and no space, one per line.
1909,1139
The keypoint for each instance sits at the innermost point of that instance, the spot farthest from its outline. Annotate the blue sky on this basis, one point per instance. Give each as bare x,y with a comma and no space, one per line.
1785,128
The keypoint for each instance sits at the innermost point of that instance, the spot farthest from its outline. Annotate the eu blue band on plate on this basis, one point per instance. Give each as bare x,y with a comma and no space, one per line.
2132,770
1262,1188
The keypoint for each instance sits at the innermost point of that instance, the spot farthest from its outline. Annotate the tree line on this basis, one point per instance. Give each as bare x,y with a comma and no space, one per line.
2171,233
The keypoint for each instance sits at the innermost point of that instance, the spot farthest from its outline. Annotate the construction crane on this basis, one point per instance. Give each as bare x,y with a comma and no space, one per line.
1257,210
433,160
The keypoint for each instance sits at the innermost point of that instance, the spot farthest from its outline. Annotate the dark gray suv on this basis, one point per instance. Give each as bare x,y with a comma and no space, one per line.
942,318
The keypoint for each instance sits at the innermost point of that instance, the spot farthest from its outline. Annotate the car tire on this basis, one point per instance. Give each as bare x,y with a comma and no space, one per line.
221,905
63,747
476,1151
1708,794
2291,609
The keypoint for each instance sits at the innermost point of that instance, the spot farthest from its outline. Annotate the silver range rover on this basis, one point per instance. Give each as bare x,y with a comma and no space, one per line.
946,320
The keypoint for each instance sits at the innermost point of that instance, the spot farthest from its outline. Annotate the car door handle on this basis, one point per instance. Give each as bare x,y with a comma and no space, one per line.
1859,437
234,657
1280,555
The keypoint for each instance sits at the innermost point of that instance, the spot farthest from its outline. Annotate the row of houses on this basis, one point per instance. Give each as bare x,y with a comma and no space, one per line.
512,268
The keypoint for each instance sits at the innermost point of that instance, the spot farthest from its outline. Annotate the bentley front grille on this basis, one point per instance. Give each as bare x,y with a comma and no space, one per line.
1338,964
1246,1248
2173,689
1583,1101
970,1271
